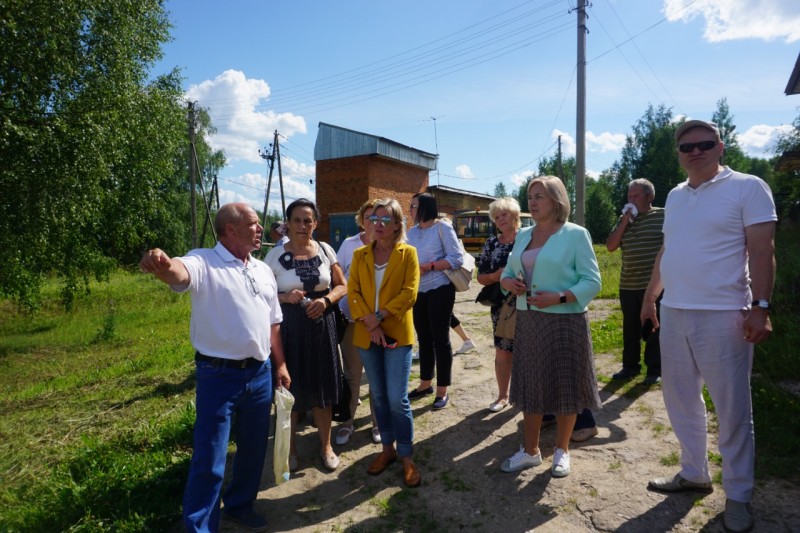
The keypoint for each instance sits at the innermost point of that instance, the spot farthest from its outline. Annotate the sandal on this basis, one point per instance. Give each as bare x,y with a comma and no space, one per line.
331,462
344,434
498,406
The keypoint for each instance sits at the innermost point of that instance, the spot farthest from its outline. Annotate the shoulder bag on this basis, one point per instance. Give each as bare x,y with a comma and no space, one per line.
507,322
460,277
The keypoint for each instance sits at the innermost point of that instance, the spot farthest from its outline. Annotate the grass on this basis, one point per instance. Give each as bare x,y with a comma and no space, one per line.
96,410
96,404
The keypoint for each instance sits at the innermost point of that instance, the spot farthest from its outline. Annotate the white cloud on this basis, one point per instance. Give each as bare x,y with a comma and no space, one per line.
592,174
740,19
250,187
464,171
567,142
605,142
759,140
233,103
522,177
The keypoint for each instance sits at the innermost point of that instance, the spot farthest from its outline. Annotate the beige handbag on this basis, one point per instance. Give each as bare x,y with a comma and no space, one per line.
507,322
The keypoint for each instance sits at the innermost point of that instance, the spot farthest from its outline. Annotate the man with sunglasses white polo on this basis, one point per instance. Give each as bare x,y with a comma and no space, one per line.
716,268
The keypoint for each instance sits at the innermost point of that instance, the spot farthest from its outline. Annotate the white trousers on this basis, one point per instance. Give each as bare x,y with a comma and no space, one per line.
708,347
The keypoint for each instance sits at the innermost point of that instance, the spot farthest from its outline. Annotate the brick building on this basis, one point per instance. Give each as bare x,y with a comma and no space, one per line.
353,167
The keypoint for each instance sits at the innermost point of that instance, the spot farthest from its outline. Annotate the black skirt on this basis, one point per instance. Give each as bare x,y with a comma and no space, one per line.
312,357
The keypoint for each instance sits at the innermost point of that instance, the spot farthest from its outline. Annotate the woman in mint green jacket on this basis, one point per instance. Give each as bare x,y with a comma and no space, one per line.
553,272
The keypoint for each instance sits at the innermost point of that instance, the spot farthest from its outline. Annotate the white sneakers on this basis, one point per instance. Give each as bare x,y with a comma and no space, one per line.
520,461
468,346
560,463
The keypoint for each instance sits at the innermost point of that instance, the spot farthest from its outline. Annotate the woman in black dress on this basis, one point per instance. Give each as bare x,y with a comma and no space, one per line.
310,282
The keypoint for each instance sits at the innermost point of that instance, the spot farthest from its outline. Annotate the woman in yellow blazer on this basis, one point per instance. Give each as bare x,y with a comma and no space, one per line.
384,278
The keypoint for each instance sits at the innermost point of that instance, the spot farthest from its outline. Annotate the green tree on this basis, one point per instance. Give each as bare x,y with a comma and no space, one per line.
649,152
500,190
785,182
566,171
733,156
600,212
93,152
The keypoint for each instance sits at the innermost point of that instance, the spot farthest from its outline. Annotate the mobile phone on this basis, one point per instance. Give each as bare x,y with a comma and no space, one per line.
391,342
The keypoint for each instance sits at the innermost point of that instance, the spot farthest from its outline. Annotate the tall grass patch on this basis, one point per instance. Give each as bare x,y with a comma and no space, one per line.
610,264
90,399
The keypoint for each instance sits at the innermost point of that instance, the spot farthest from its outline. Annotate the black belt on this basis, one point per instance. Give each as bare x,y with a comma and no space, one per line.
230,363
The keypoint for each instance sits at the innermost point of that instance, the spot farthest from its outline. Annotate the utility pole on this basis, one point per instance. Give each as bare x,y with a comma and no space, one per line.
271,157
436,143
192,177
580,127
560,167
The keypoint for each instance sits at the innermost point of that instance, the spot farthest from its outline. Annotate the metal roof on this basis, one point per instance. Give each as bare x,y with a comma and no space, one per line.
335,142
443,188
793,87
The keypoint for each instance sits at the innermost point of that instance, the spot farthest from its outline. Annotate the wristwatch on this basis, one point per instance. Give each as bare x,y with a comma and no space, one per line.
379,316
562,297
763,304
327,302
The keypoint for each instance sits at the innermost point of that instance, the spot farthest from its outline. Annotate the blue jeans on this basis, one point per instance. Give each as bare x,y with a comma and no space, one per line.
223,392
388,370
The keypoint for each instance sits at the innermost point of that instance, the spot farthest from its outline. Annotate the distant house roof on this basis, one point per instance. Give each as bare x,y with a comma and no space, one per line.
434,188
789,161
793,87
334,142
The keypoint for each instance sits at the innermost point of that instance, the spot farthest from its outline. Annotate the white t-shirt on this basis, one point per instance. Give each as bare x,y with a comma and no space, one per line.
345,258
705,262
233,307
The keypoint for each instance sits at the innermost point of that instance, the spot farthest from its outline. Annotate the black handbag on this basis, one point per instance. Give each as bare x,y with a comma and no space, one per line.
491,295
341,323
341,411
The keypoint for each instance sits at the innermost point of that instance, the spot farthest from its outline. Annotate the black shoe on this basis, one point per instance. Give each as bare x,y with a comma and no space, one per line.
249,520
625,374
440,402
651,379
414,394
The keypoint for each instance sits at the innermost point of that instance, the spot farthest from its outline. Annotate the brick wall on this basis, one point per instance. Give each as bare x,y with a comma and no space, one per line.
342,185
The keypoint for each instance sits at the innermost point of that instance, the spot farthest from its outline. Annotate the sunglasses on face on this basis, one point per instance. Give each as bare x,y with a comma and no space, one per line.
703,146
383,220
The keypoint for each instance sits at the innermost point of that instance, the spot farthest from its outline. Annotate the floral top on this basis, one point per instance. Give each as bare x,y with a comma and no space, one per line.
494,255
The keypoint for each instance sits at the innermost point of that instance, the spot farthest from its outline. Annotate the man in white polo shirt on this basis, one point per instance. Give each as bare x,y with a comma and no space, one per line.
235,330
717,268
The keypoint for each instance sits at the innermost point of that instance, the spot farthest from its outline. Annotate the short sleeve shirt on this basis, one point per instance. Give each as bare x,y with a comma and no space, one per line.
705,262
640,245
233,305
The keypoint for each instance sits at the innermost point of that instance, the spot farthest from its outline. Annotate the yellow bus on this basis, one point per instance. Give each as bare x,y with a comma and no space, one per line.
474,227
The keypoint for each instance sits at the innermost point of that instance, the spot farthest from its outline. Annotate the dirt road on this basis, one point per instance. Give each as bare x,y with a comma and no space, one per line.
459,451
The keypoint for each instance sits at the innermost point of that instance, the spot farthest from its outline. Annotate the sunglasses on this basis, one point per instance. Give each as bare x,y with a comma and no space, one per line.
703,146
385,220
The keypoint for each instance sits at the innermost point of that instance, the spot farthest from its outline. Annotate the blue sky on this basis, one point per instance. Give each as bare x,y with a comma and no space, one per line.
498,77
